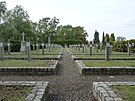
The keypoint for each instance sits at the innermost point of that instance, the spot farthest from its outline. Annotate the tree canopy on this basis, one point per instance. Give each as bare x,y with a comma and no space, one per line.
16,21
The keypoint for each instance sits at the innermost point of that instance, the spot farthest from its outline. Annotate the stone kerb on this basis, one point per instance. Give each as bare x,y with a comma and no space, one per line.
104,70
38,93
29,70
102,91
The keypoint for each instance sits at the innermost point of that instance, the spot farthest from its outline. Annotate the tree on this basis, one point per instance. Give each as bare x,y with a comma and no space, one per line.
96,37
103,39
3,10
107,38
19,19
47,27
75,33
112,37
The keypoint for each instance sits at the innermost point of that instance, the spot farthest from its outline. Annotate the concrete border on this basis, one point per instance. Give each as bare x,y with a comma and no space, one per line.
103,91
38,93
30,70
104,70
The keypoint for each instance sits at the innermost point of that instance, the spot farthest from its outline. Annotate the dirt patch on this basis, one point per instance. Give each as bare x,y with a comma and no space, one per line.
14,92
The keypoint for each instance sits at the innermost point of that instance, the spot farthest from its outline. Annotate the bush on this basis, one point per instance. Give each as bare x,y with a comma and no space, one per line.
121,46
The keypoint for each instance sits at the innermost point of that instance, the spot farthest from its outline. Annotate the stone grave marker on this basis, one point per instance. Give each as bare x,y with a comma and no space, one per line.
43,48
9,48
97,48
37,47
101,47
76,46
90,49
1,51
28,51
49,46
129,49
83,48
79,47
33,47
107,51
23,43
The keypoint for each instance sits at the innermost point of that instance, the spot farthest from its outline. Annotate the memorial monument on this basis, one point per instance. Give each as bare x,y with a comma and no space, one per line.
23,44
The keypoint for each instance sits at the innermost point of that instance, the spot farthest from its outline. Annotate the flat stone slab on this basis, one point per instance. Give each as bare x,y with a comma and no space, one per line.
38,93
29,70
104,70
102,91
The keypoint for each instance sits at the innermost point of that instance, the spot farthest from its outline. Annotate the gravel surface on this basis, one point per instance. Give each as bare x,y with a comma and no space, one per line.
68,84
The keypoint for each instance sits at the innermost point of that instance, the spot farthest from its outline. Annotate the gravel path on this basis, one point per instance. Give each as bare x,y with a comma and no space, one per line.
68,84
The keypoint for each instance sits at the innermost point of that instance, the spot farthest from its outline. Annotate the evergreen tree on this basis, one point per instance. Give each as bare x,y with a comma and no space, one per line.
112,37
103,39
96,37
107,38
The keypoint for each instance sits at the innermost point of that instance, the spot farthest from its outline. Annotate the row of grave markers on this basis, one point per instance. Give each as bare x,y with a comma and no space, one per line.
108,49
50,47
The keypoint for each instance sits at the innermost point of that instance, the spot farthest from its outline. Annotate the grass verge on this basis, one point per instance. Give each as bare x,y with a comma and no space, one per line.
25,63
127,93
112,63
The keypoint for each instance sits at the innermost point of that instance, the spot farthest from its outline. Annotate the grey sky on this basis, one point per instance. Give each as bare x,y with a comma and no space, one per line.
110,16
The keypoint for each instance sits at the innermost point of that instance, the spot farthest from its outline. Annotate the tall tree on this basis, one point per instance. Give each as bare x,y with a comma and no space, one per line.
107,38
112,37
103,39
3,10
19,18
75,33
96,37
47,27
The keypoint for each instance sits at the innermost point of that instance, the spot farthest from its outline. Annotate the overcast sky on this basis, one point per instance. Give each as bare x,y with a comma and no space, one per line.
110,16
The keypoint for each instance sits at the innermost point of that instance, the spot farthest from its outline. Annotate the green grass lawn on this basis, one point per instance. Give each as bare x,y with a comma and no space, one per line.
125,92
112,63
103,56
55,51
25,63
14,93
32,56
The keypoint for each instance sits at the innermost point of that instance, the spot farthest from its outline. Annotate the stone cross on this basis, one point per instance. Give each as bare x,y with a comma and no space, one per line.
23,36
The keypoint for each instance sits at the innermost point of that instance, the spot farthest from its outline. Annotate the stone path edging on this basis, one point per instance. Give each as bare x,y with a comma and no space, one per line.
102,91
29,70
104,70
38,93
